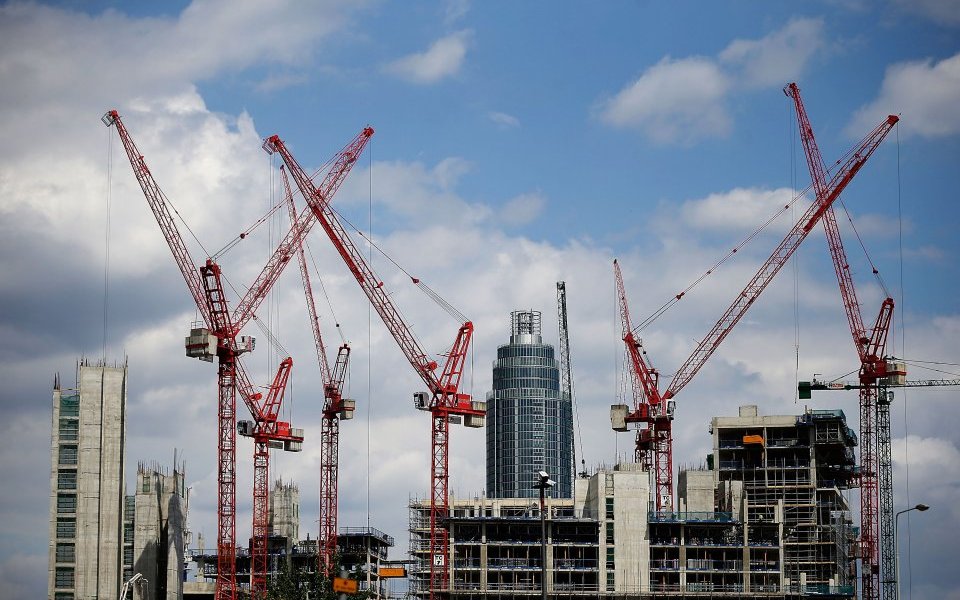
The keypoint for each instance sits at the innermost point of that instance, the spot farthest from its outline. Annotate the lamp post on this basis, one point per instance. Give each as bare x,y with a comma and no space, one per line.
896,540
543,483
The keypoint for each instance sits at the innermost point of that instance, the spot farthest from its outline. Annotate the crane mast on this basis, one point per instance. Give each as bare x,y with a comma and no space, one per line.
874,408
445,399
566,372
335,408
646,376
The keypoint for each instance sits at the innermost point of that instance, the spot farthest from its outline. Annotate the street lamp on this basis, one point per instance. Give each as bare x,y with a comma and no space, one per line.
543,483
896,540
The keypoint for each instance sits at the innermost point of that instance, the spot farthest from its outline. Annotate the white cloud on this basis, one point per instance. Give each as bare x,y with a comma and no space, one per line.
503,119
924,93
777,58
673,101
740,209
522,209
682,101
443,59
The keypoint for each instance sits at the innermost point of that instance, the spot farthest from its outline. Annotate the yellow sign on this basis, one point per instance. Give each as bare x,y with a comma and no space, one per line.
344,585
386,572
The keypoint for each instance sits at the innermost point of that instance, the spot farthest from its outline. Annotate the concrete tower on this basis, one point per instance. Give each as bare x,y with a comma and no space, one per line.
86,484
285,510
529,420
159,531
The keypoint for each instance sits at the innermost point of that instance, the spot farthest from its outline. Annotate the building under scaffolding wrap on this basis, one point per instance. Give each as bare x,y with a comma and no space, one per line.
767,518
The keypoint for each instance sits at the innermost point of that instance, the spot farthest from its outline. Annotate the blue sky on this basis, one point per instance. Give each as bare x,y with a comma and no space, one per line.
516,144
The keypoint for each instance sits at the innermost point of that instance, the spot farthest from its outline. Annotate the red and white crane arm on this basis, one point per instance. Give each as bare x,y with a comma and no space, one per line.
779,257
274,397
158,204
645,376
342,165
307,288
441,387
818,175
332,379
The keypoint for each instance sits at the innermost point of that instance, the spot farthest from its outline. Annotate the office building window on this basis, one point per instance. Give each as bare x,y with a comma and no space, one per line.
69,406
63,577
67,479
66,503
69,429
65,553
66,527
68,455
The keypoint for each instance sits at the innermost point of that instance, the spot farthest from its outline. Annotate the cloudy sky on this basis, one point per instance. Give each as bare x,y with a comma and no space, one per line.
516,145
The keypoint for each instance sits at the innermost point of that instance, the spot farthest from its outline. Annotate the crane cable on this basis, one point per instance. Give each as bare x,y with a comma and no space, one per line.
670,303
106,260
793,259
673,301
270,211
903,348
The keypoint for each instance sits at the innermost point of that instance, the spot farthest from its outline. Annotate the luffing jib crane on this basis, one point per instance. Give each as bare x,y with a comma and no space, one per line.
335,409
652,407
267,432
220,334
874,412
444,399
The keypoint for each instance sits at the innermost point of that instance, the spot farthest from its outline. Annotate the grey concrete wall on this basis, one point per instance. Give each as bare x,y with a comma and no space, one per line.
100,459
158,543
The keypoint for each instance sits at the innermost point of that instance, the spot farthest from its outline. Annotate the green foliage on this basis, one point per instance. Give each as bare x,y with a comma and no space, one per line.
298,584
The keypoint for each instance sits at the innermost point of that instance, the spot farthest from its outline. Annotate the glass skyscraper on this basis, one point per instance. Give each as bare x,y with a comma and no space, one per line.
529,418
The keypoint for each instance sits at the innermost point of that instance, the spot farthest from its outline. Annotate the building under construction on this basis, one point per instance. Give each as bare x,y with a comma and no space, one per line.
767,518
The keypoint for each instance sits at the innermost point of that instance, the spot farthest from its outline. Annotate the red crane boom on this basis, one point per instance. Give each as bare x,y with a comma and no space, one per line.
267,432
335,408
445,396
341,167
644,375
871,350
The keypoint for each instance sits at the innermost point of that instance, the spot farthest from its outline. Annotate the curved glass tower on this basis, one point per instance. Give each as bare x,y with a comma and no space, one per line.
529,419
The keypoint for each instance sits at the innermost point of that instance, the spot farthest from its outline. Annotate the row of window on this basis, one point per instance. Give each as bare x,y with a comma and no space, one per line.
69,430
67,454
63,577
70,406
67,479
516,350
66,503
526,361
65,552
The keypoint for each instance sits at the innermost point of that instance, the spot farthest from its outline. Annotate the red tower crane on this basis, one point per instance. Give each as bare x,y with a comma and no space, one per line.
871,349
335,409
652,404
654,445
444,399
267,432
220,336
